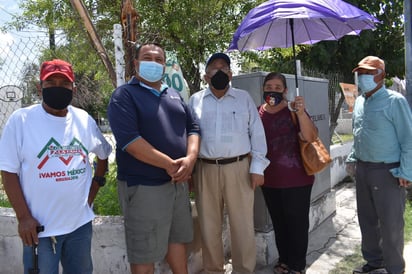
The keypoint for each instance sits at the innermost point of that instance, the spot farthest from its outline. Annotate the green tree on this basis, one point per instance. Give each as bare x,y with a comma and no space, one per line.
193,29
341,56
386,41
68,40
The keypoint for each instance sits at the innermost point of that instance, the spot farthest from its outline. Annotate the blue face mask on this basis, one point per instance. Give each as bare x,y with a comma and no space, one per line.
150,71
366,82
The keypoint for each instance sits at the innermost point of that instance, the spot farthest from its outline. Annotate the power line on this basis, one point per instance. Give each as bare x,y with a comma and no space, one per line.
6,11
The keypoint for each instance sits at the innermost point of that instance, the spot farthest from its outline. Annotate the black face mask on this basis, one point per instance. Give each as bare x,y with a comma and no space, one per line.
57,97
220,80
272,98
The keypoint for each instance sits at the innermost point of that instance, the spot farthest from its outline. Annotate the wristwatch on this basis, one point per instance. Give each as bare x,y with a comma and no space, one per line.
101,181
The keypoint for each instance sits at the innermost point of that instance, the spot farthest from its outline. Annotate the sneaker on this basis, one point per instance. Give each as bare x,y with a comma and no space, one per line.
367,268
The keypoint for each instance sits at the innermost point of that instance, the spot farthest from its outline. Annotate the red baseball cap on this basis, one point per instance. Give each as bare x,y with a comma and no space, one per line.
56,66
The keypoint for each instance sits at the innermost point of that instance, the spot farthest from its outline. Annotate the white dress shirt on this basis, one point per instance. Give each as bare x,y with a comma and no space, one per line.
230,127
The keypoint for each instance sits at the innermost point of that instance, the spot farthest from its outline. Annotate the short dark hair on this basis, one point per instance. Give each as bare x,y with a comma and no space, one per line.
275,75
137,52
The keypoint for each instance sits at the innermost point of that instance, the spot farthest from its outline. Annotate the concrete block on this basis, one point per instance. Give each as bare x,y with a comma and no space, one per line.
266,251
320,210
109,248
339,153
344,126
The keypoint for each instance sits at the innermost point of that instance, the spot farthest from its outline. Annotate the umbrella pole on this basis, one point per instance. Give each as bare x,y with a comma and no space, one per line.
294,55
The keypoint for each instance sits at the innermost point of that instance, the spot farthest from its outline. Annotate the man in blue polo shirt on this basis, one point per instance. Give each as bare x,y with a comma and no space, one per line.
157,147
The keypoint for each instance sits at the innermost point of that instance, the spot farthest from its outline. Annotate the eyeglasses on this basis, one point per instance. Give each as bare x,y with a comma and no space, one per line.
212,72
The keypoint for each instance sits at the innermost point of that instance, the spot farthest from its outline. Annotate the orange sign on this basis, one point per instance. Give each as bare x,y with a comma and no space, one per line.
351,92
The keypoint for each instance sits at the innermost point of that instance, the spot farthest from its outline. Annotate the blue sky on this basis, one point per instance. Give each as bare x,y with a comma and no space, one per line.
15,48
7,7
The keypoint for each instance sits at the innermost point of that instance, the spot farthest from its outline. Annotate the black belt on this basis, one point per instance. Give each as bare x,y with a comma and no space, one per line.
380,164
224,161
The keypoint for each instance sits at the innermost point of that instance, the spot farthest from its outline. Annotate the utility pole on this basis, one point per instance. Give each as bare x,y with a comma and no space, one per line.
79,6
407,8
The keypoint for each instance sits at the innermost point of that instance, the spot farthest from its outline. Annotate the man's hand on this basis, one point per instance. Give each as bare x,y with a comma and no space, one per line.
404,183
256,180
172,168
184,172
28,230
27,226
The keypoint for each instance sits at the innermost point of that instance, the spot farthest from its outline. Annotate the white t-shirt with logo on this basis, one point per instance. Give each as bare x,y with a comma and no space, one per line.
50,156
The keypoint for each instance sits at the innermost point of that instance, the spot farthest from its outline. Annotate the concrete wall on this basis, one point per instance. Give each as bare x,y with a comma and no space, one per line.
344,126
337,168
108,246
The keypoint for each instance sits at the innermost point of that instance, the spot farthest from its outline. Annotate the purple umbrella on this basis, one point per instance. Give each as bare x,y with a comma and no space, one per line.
284,23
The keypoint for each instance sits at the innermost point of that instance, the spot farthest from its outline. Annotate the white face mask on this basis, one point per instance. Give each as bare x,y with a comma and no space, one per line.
366,82
150,71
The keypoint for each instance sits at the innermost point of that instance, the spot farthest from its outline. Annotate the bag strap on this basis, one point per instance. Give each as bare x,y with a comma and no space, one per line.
296,123
294,118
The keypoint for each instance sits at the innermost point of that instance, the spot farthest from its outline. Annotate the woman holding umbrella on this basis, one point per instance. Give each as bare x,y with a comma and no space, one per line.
287,188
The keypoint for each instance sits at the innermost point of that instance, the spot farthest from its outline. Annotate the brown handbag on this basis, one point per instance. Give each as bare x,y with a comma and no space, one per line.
315,156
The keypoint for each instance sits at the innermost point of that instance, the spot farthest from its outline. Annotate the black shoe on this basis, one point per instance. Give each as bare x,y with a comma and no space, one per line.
370,269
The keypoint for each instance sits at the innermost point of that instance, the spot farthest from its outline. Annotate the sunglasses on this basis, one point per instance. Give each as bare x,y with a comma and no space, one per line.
54,67
212,72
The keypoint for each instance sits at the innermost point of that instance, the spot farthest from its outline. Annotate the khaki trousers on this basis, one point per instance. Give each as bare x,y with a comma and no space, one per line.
215,187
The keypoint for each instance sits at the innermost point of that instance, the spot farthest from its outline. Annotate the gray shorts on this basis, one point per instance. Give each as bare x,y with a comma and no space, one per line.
154,216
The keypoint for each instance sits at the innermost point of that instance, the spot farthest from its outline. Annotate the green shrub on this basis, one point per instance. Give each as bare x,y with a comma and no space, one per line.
343,138
107,202
408,221
4,202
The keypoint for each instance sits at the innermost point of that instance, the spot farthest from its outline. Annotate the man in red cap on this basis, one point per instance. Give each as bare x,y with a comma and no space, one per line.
381,159
47,175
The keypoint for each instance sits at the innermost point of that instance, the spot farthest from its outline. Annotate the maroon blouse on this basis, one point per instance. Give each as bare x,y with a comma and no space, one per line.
285,169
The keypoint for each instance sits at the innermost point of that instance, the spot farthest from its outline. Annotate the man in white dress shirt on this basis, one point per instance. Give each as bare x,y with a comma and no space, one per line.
230,166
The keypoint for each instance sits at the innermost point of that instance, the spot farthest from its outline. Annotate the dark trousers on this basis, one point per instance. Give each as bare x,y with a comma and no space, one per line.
289,211
381,205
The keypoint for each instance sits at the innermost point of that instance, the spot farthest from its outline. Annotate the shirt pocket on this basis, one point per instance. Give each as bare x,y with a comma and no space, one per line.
373,120
236,122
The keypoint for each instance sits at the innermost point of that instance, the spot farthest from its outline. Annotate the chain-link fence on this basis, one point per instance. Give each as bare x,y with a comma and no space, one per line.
19,77
20,60
335,95
19,64
19,70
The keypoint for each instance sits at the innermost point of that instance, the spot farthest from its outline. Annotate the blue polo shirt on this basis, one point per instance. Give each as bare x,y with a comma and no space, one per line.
162,119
